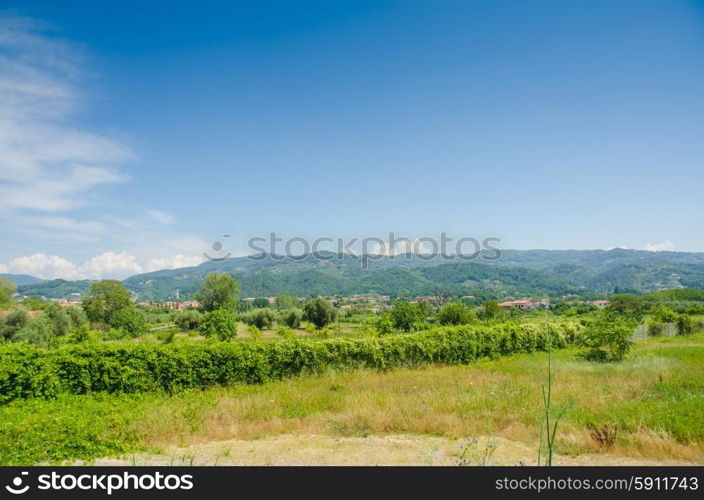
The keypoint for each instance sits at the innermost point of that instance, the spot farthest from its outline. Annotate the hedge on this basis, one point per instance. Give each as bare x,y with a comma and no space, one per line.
27,371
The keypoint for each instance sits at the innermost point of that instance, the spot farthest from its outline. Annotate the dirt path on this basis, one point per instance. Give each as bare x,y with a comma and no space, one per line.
374,450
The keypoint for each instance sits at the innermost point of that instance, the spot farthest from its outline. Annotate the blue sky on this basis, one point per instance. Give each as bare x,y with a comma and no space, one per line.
132,136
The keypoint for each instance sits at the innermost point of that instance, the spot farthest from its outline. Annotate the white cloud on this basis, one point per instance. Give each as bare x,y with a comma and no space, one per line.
161,217
173,262
111,264
46,163
106,265
44,266
665,246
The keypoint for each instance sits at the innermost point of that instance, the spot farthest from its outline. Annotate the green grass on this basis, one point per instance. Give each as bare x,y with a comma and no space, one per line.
655,397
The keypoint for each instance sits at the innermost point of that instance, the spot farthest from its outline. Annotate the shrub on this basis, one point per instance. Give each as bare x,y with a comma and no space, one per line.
29,371
219,323
188,319
407,316
292,318
685,324
261,318
285,332
455,313
254,332
384,325
319,312
607,338
13,323
129,320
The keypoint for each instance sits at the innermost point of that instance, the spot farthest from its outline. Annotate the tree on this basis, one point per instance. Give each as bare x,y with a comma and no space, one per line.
218,291
220,323
406,316
129,320
7,288
104,299
455,313
491,310
292,318
188,320
287,302
607,338
384,324
260,302
61,322
319,312
261,318
13,323
627,306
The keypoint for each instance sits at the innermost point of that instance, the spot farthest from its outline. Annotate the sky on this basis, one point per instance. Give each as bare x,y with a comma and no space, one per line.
134,135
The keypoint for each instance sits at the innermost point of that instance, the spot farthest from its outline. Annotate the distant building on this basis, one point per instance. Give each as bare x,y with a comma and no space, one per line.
525,304
599,303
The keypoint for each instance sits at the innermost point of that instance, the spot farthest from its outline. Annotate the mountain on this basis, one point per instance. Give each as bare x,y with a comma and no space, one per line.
21,279
517,273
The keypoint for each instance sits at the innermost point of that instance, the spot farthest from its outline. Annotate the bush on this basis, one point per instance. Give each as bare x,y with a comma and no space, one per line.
254,332
607,338
28,371
13,323
285,332
261,318
319,312
129,320
219,323
292,318
685,325
188,319
407,316
455,313
384,324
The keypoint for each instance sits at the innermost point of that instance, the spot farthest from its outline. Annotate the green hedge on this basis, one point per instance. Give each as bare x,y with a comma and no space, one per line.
27,371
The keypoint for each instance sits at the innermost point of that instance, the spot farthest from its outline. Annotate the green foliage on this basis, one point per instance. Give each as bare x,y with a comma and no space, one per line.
218,291
7,288
33,303
261,318
104,299
491,310
286,332
407,316
254,332
291,318
455,313
260,302
287,302
685,324
188,319
627,306
607,338
27,371
129,320
15,321
384,325
61,322
663,314
219,323
319,312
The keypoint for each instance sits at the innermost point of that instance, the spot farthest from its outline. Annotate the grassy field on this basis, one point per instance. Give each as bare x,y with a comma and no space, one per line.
653,403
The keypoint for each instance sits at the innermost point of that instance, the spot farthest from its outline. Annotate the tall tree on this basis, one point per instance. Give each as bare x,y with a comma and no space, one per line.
104,299
7,288
218,291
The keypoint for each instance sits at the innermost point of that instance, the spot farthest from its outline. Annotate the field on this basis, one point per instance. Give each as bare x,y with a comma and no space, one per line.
651,404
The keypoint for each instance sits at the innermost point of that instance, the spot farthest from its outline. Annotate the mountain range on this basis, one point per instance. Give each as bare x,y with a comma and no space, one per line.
589,273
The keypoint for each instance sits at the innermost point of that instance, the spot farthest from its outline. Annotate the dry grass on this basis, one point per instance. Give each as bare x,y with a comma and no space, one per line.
499,398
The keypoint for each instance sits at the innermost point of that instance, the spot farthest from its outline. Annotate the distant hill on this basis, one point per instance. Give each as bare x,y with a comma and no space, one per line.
517,273
21,279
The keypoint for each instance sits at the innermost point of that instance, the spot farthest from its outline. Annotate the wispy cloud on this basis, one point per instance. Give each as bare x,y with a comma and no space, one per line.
46,163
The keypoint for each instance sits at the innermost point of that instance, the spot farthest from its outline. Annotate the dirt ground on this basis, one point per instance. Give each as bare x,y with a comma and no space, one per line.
373,450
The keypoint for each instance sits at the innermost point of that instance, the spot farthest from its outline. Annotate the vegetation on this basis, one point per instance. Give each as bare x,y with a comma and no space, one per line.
455,313
104,299
7,288
607,338
319,312
654,399
218,291
27,371
219,323
407,316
